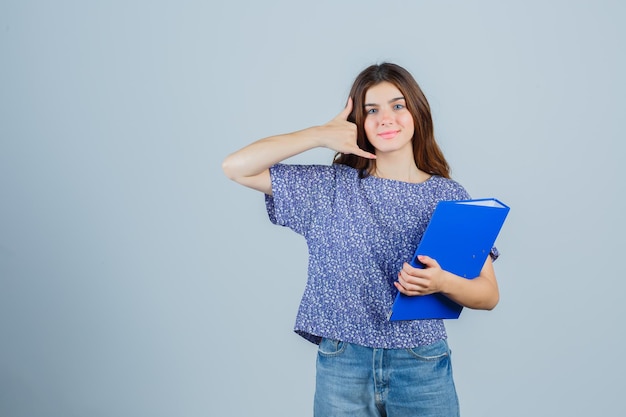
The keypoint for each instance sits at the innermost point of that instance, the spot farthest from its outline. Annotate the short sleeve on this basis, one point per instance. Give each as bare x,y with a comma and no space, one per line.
300,195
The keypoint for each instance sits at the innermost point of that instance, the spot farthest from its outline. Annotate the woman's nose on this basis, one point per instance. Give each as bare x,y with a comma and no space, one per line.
386,117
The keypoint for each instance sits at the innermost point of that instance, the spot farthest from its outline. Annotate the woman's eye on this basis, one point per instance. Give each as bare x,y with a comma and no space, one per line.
398,106
371,111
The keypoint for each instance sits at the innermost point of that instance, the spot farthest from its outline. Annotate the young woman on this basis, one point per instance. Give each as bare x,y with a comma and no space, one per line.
362,217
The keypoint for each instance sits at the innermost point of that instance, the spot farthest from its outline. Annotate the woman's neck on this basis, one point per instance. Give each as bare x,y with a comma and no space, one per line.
398,169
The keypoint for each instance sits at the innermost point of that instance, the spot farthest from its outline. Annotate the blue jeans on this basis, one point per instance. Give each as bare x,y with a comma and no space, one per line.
353,380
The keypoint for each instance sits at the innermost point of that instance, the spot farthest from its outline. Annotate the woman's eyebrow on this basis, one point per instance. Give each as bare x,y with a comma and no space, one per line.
390,101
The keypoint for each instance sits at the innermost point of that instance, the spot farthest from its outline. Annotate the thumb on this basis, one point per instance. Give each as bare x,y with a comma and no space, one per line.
346,111
428,261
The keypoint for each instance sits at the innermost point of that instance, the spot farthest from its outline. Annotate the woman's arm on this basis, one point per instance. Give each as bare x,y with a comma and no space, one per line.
250,165
479,293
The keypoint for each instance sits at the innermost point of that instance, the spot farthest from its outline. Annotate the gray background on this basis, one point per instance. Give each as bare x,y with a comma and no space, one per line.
136,280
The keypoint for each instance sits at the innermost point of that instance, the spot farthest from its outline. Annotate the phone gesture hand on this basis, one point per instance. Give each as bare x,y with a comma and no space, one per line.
340,135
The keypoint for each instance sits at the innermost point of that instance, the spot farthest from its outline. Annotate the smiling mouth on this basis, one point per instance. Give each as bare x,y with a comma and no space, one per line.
389,134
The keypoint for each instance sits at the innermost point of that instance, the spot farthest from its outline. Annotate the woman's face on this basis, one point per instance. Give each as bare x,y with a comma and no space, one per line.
388,123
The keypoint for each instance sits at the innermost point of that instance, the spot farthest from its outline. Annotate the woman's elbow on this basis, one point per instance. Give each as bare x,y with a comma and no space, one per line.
229,167
491,302
492,305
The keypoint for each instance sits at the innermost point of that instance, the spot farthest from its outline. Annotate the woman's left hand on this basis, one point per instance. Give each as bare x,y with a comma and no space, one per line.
421,281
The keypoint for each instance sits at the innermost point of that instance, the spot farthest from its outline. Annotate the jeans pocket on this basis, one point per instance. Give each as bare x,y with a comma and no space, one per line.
432,352
331,347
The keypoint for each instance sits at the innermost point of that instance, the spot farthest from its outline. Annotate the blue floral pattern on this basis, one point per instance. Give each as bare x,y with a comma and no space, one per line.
359,232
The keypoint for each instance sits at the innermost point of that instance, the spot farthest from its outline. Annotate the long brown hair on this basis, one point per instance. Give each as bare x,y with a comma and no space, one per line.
428,156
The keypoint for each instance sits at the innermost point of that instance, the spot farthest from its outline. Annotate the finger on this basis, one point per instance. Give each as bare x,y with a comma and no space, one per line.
400,288
413,271
406,291
411,282
346,111
428,261
408,267
364,154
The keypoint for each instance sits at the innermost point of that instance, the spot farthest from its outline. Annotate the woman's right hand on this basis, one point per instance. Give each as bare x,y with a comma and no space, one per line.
340,135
